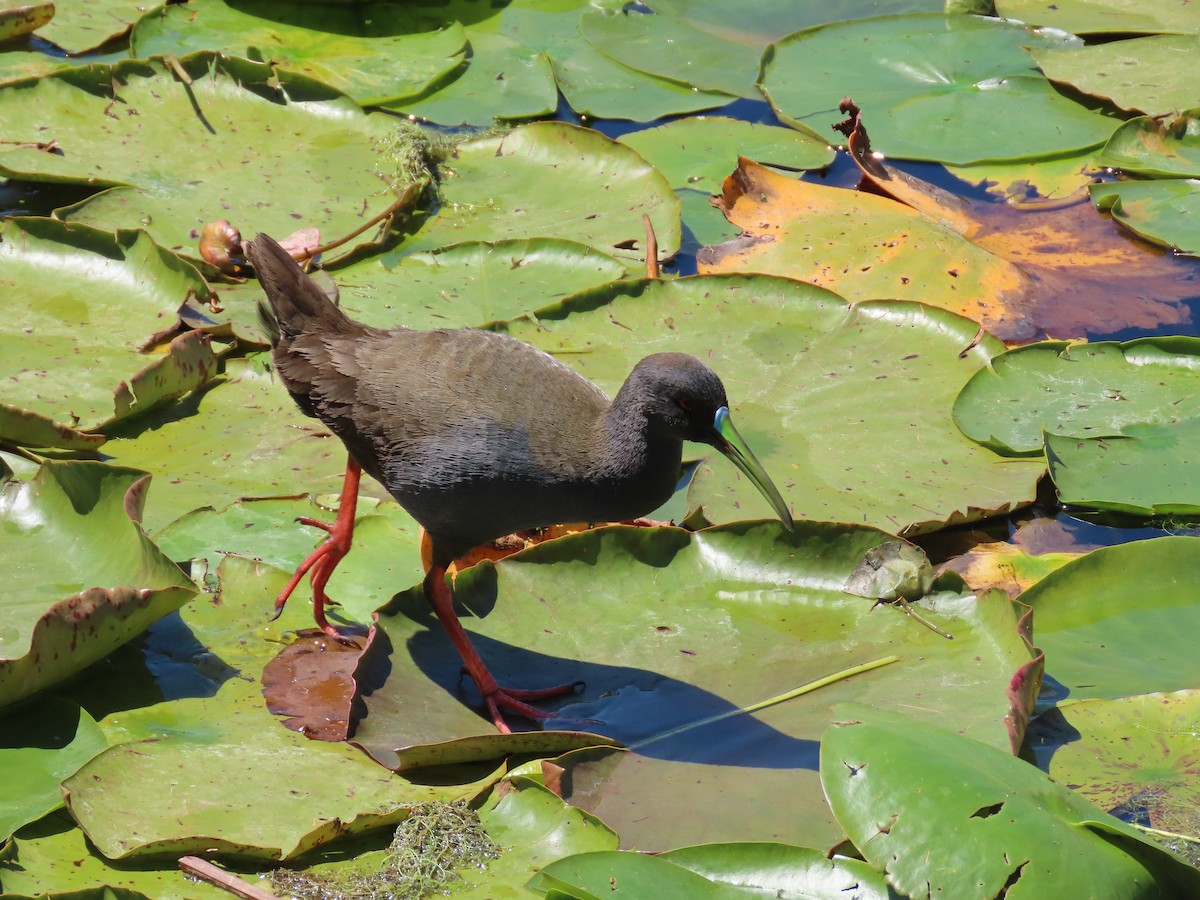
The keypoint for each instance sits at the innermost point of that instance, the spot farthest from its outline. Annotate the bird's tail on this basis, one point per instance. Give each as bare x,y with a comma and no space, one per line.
297,305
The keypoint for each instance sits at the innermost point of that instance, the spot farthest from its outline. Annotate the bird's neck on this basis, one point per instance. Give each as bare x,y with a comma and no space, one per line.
633,450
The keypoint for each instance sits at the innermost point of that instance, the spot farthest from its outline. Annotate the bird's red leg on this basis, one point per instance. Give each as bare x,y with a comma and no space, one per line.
322,561
437,592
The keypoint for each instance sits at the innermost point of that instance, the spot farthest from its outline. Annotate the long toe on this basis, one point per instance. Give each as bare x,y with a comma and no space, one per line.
501,699
544,693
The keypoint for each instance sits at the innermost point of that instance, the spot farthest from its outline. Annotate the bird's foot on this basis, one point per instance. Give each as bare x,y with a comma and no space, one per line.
324,559
515,701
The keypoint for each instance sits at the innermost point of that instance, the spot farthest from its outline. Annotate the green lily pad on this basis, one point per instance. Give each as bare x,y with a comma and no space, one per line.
594,84
1137,75
19,22
1149,469
54,851
42,744
266,530
807,377
782,870
1105,16
763,21
1164,211
899,786
591,876
243,437
20,64
80,25
530,825
511,186
698,627
746,869
699,153
1128,755
65,610
953,89
533,828
671,48
339,169
73,341
374,53
474,284
501,79
1079,389
1120,621
1147,146
340,792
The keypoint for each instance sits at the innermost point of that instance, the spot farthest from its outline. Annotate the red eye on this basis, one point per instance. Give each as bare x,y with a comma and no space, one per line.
684,403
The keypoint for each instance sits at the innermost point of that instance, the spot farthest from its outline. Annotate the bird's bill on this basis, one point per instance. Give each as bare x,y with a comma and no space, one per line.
733,445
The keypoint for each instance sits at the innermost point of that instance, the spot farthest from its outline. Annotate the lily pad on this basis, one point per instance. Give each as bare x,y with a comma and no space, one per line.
83,25
814,385
243,437
533,828
594,84
1130,755
65,610
73,344
1165,211
54,851
781,870
511,186
698,153
1105,16
343,793
1147,146
501,79
590,876
339,170
763,21
899,786
1138,75
42,744
474,284
1149,469
813,233
671,48
1120,620
1079,389
374,53
953,89
699,628
21,21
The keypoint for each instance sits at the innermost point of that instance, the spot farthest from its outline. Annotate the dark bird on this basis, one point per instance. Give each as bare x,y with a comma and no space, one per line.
479,435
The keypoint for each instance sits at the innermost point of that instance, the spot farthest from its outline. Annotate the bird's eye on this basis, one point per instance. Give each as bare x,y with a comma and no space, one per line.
684,403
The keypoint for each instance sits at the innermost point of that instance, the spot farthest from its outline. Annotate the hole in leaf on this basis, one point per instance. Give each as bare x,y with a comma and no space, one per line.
1012,879
986,812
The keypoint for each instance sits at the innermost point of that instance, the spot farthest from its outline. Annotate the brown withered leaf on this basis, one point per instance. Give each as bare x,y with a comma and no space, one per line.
1092,277
864,247
311,681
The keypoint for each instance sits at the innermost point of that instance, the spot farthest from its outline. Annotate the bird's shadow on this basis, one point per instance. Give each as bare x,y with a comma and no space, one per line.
654,714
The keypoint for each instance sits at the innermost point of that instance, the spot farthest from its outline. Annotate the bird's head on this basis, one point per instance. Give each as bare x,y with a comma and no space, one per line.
684,397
